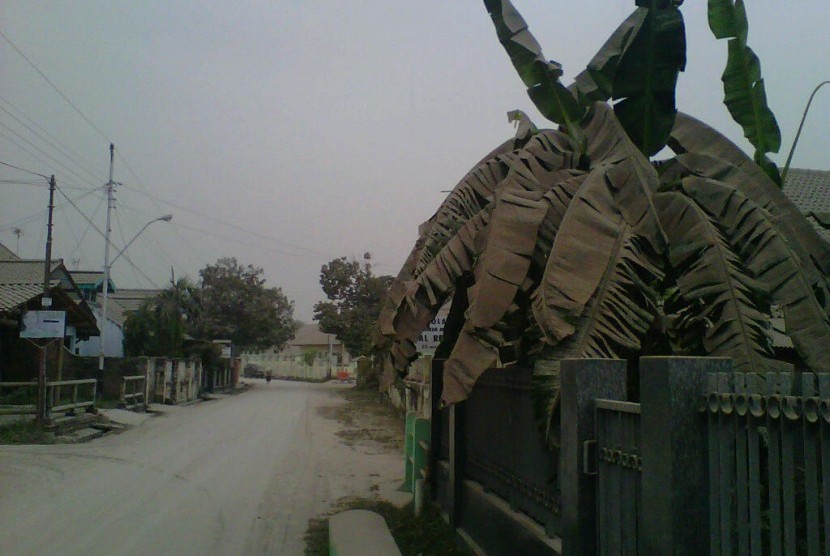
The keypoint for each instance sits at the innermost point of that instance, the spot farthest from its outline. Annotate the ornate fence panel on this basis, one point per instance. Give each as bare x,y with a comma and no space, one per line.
619,470
769,464
493,475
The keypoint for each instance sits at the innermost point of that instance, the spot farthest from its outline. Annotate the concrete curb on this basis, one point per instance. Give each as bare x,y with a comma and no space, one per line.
360,533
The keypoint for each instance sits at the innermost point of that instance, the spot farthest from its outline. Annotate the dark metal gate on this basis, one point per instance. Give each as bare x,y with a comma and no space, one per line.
619,472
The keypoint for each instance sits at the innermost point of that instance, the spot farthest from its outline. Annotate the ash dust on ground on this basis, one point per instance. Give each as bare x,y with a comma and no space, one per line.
366,422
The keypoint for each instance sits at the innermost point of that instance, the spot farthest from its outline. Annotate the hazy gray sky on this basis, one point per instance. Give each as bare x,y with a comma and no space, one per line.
287,133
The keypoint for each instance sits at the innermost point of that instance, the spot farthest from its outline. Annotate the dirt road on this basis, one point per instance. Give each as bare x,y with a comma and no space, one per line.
239,475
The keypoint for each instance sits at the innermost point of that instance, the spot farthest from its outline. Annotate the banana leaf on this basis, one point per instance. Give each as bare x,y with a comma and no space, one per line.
645,80
711,278
769,257
744,93
621,178
540,76
596,82
712,155
499,274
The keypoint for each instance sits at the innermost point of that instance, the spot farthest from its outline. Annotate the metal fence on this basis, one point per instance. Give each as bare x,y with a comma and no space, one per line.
769,464
706,462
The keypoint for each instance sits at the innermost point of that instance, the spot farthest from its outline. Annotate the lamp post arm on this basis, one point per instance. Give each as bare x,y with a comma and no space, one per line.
166,218
798,133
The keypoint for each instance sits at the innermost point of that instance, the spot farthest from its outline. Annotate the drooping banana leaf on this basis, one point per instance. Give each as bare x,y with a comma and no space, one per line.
622,178
414,303
476,189
743,87
769,257
613,326
696,138
725,299
540,76
499,273
645,80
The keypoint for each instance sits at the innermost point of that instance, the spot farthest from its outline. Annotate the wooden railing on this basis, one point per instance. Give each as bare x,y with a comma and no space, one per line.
57,401
61,396
133,391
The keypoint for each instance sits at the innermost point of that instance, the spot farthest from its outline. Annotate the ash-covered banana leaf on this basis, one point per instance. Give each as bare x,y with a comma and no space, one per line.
622,183
727,310
703,151
499,274
768,256
540,76
744,94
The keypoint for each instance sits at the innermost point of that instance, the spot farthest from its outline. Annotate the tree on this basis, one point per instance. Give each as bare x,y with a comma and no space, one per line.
159,325
574,243
236,305
355,297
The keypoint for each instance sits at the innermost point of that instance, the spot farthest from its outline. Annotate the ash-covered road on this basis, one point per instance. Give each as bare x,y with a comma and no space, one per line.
238,475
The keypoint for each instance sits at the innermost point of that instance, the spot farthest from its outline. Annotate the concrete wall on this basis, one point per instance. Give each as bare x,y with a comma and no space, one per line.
282,366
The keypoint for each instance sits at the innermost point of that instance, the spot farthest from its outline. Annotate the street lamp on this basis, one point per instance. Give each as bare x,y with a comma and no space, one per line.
798,133
107,267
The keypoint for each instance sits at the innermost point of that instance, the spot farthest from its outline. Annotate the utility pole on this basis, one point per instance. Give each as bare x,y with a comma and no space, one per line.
110,203
46,302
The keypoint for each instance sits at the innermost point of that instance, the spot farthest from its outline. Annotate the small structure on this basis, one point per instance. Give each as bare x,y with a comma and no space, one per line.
305,357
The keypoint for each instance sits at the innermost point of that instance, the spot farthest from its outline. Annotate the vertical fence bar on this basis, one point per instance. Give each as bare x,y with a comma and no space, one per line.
824,432
809,425
582,380
673,441
741,481
755,412
712,423
788,433
774,463
726,471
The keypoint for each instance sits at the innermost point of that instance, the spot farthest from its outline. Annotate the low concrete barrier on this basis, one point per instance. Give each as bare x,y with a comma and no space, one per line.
360,533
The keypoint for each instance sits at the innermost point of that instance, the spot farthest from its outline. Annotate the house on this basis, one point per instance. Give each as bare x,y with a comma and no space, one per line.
120,304
309,339
21,290
809,190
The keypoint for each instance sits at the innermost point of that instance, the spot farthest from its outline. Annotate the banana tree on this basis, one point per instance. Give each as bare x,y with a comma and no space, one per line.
576,242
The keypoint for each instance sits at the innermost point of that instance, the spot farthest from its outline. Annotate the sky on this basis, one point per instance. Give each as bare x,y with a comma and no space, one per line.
289,133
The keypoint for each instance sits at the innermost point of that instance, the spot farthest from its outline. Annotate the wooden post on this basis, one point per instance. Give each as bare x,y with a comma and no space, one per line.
582,381
675,517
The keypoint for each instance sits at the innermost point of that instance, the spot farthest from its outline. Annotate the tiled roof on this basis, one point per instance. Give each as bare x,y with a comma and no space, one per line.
131,299
7,254
15,295
24,271
809,190
83,277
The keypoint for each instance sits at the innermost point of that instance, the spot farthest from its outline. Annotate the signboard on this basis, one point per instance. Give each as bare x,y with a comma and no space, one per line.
433,334
43,324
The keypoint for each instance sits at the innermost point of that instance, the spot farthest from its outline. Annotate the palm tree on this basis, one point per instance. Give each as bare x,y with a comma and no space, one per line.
574,243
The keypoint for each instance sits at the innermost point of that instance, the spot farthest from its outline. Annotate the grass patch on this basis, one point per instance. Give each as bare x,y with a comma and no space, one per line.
22,432
425,535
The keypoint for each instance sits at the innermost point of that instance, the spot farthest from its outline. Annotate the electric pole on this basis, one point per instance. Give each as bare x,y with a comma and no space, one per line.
110,203
46,302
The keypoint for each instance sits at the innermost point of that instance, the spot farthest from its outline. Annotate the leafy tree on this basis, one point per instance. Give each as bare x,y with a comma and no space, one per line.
355,297
236,305
159,326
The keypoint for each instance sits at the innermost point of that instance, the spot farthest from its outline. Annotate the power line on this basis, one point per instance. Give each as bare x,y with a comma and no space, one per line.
24,170
55,87
40,136
44,153
102,234
232,226
40,214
